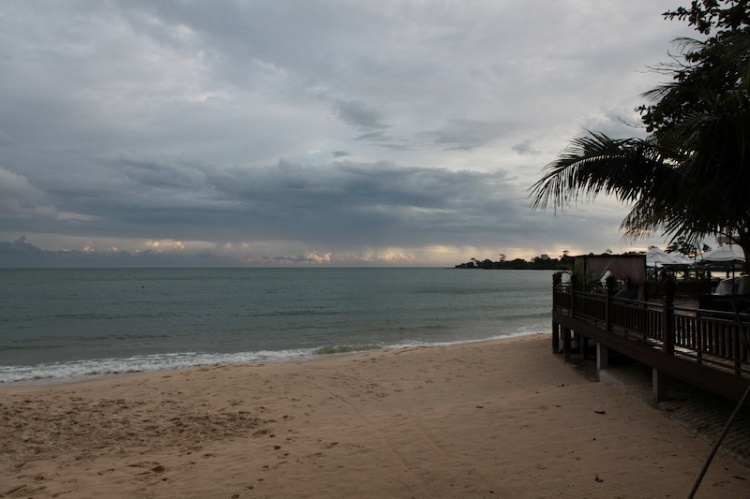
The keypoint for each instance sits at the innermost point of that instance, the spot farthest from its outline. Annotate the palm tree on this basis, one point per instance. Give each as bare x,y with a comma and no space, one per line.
690,178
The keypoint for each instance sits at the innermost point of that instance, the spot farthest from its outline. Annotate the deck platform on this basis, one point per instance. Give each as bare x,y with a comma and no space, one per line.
703,348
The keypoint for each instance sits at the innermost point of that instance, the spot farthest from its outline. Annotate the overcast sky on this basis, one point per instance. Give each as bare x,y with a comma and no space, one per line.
310,132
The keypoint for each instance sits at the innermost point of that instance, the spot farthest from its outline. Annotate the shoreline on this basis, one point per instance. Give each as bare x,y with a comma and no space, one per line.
496,418
282,356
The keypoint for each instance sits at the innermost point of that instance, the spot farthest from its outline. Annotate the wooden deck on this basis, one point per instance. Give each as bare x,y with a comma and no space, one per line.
704,348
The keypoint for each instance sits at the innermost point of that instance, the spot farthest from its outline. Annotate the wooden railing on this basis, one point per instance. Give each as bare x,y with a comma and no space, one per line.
716,339
638,319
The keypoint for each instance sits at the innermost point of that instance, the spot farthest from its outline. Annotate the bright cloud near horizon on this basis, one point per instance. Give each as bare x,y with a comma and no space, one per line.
310,132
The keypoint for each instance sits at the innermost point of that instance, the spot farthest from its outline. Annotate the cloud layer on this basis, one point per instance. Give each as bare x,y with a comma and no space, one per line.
312,132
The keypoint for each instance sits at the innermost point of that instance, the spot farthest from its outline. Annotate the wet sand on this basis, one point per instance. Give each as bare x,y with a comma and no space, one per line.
494,419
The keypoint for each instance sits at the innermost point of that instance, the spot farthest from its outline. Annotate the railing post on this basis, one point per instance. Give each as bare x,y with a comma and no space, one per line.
668,318
699,328
608,312
572,302
737,350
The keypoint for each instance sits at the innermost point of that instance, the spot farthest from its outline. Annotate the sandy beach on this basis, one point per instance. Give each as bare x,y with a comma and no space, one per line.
493,419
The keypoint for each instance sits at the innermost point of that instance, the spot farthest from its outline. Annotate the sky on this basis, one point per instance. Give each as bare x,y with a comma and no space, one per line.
311,132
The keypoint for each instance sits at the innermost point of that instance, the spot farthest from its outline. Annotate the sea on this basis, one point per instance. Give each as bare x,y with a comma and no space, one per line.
61,325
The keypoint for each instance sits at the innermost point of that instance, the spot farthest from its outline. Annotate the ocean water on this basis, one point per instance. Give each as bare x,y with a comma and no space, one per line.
68,324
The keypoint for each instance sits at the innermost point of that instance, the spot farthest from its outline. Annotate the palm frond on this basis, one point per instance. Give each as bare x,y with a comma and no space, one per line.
598,164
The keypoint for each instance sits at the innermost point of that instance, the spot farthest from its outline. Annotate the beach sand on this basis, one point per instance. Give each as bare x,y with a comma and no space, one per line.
492,419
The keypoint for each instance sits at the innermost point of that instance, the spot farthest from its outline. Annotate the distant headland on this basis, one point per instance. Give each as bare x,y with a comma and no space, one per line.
542,262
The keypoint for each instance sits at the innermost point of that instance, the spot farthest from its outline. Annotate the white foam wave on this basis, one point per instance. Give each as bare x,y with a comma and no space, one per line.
62,372
83,369
412,344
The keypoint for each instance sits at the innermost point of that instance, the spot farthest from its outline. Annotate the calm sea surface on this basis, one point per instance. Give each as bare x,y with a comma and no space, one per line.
58,325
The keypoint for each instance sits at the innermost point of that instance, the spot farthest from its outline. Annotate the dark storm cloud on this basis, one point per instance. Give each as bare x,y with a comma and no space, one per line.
333,202
348,201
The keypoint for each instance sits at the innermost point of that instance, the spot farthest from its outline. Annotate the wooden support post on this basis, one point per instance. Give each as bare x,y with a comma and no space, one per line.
658,385
566,344
583,343
555,337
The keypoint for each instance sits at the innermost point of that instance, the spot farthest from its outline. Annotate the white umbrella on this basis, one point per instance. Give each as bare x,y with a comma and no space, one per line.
681,259
726,253
657,258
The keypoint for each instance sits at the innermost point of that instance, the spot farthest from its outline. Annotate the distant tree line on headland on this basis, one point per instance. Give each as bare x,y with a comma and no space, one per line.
542,262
